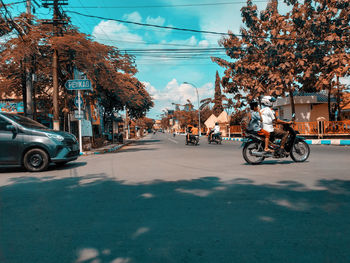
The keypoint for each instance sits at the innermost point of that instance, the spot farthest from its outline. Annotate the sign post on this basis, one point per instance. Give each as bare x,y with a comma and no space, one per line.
79,85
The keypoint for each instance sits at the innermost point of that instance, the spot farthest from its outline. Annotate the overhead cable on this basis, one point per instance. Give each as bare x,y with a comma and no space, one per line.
170,6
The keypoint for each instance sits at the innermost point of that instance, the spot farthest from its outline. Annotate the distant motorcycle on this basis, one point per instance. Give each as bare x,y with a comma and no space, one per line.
214,138
192,139
295,146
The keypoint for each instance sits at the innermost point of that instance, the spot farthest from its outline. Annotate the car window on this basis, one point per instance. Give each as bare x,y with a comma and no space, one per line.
3,124
24,121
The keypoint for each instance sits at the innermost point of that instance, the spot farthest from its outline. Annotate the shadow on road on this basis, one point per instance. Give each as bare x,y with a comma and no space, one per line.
273,162
145,142
52,167
131,149
94,219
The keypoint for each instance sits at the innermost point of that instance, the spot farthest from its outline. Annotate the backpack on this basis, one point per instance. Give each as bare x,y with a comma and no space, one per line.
245,123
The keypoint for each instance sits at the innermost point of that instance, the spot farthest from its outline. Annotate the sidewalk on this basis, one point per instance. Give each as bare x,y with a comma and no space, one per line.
107,149
308,141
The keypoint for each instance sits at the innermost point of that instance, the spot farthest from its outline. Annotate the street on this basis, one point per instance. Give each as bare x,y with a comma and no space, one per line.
159,200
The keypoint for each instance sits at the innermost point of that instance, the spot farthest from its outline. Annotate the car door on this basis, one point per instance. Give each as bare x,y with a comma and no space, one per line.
9,144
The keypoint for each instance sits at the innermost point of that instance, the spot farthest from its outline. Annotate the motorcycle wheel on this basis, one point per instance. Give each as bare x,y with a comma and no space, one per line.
209,141
247,153
300,152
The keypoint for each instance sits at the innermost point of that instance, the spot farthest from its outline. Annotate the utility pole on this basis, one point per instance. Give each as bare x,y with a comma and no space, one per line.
56,21
28,70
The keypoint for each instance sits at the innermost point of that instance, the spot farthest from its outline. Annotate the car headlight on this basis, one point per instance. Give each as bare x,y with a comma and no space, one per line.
55,136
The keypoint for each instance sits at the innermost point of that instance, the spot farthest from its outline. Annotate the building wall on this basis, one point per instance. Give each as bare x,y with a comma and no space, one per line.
319,110
304,112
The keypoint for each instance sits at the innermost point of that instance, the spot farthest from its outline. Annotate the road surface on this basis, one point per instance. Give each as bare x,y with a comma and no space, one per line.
161,201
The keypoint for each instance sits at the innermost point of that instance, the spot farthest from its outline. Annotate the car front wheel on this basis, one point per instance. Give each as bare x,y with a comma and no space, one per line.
36,160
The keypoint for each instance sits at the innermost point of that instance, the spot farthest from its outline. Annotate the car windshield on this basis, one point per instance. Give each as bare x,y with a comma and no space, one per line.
24,121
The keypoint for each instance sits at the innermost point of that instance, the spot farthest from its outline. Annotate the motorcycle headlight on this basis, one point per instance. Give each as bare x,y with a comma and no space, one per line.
55,137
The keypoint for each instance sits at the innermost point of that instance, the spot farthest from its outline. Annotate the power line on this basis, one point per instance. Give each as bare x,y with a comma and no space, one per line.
149,25
169,6
196,31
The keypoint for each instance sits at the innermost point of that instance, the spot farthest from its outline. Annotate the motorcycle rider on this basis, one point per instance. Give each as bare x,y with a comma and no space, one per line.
195,130
215,131
269,118
192,131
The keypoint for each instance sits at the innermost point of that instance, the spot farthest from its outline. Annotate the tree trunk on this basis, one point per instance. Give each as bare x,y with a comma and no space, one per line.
329,105
24,90
292,100
338,100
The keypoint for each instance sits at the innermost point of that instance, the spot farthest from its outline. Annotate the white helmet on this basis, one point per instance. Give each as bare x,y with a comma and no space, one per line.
267,101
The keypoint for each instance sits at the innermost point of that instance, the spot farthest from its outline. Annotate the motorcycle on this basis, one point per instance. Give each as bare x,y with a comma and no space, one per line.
295,146
192,139
214,138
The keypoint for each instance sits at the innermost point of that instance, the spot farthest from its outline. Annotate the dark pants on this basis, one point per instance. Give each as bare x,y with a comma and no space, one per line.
280,134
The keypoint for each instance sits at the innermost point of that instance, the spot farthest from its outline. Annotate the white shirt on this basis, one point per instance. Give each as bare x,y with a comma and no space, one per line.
216,129
268,115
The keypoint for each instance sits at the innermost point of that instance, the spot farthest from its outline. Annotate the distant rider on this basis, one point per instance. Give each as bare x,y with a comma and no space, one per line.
215,131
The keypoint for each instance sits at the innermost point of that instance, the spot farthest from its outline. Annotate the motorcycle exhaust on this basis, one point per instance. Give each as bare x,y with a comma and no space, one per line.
258,154
261,154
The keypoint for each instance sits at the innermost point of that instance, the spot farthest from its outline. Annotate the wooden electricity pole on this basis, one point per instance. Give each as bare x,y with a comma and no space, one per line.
56,22
28,70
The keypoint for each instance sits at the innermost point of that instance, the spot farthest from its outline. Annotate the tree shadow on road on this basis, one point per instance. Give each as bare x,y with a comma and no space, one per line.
145,142
132,149
94,219
52,167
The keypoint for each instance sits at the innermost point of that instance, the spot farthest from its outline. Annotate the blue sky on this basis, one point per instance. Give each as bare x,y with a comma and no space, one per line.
164,75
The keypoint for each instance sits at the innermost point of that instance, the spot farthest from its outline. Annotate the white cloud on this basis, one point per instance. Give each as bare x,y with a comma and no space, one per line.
155,21
114,33
177,93
133,17
151,90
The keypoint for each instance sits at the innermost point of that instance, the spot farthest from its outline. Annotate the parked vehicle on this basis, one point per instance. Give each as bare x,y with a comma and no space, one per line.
214,138
192,139
27,143
295,146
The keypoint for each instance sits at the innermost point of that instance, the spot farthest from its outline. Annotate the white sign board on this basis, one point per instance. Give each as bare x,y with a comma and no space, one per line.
86,128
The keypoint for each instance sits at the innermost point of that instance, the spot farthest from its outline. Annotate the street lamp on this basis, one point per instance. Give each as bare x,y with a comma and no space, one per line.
199,112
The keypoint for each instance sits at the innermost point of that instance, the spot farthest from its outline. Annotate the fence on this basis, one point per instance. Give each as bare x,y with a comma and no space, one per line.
312,128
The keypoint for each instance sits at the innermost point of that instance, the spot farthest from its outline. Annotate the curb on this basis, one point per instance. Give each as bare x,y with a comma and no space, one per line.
329,142
113,149
314,142
232,139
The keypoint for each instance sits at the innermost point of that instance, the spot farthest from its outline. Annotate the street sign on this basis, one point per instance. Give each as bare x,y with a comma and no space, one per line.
78,100
79,115
78,84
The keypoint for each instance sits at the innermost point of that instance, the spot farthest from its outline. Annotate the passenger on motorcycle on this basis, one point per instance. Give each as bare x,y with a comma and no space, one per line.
269,118
255,124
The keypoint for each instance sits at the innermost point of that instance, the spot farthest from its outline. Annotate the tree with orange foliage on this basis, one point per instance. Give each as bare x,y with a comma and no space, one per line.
111,73
305,49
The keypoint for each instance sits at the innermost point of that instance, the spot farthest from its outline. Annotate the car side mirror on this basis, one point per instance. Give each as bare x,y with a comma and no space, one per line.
11,128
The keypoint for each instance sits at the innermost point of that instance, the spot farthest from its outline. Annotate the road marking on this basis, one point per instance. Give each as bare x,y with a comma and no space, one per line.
172,140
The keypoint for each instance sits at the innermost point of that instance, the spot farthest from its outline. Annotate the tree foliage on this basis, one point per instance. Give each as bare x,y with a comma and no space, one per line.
306,49
112,73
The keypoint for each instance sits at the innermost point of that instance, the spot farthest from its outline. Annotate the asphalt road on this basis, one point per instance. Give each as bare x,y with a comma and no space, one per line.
161,201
